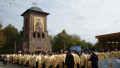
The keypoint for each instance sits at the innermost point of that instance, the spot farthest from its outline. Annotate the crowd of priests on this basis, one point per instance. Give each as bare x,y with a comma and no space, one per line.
57,60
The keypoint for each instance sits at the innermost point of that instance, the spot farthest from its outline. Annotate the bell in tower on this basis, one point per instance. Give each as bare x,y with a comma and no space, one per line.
35,30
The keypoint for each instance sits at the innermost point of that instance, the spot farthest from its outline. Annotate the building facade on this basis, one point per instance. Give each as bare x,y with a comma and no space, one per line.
109,41
35,32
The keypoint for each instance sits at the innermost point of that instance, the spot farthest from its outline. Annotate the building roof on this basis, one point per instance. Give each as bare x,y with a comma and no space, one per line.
37,9
108,35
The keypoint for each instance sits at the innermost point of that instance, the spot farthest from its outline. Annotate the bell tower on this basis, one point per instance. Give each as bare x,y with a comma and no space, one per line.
35,33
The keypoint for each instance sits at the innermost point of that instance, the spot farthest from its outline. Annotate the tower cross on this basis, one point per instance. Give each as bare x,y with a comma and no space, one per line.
35,4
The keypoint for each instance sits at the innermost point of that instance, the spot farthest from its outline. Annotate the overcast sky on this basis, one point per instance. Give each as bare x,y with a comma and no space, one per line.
86,18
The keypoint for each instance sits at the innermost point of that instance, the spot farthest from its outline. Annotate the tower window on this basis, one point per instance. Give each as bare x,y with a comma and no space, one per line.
43,36
34,34
38,35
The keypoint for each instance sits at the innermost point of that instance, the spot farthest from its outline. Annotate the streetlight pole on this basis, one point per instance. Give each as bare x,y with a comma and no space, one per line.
15,47
64,41
64,46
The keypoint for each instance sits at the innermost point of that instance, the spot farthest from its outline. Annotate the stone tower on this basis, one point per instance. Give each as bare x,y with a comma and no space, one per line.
35,33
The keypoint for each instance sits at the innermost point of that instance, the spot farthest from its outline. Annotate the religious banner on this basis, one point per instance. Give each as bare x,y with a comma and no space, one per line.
108,63
77,48
38,24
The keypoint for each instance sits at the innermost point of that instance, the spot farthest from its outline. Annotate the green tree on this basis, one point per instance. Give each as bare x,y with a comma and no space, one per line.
2,37
61,41
76,40
83,44
96,46
86,45
21,33
12,36
20,36
89,45
64,41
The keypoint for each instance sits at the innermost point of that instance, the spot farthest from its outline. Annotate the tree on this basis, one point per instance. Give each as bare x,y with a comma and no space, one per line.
12,36
96,46
20,38
2,37
83,44
76,40
21,33
61,41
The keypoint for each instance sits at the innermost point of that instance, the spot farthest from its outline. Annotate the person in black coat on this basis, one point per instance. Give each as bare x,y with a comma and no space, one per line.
94,59
4,60
69,61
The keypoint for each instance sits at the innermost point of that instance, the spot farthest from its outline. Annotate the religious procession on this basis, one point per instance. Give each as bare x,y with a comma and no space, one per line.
37,34
61,59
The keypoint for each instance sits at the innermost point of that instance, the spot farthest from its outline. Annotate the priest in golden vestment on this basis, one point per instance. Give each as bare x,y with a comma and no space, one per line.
16,58
112,55
19,58
107,55
41,61
31,60
63,56
116,54
53,60
34,60
8,57
26,59
22,59
103,55
83,60
47,61
76,60
88,63
99,54
58,61
38,58
13,58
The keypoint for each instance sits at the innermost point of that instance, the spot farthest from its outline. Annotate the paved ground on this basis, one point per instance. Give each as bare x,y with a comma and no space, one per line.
11,65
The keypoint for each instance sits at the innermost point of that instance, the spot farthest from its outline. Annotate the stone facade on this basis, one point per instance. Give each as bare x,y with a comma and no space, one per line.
33,39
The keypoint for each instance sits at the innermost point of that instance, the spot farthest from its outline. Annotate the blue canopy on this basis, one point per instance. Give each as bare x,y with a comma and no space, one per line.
77,48
38,47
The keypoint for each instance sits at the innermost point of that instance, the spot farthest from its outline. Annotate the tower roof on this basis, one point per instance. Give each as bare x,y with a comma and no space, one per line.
36,9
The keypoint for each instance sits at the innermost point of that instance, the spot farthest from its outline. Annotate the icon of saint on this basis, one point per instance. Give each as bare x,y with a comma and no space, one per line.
38,26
